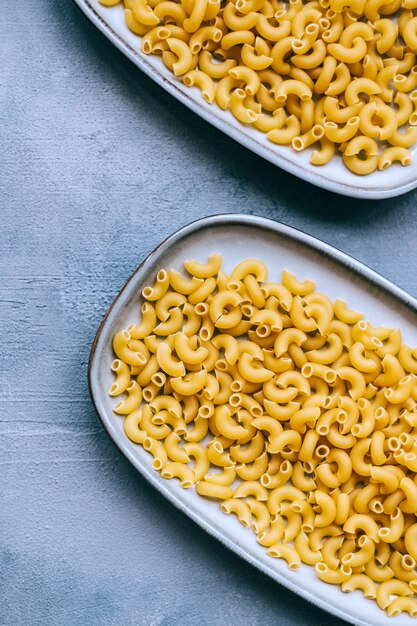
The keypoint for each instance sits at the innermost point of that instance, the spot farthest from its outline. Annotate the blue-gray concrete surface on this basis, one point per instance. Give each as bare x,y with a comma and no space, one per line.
97,165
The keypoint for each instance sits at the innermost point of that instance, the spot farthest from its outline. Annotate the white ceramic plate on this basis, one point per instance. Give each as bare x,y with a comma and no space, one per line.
333,176
238,237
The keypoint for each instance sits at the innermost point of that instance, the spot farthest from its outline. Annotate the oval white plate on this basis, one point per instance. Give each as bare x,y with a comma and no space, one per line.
333,176
238,237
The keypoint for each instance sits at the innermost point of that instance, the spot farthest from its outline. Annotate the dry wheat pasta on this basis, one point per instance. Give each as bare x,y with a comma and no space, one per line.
331,75
291,410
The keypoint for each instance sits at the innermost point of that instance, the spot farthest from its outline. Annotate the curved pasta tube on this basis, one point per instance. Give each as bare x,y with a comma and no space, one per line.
238,108
202,463
288,438
295,87
251,488
304,43
391,587
167,302
225,477
341,79
410,540
261,515
310,137
147,324
190,384
253,60
295,286
159,288
280,412
268,424
122,371
132,402
404,140
337,114
274,534
362,582
204,270
134,25
175,469
226,425
219,313
286,338
252,370
329,354
266,123
132,428
249,78
253,471
203,35
387,117
214,70
341,134
403,390
168,403
167,362
284,551
392,372
367,425
164,417
269,317
229,345
303,417
280,292
173,450
284,493
363,555
360,521
393,533
300,316
155,38
143,13
327,509
122,349
172,325
199,431
239,508
284,135
395,153
321,371
203,81
409,34
348,54
157,450
215,492
334,577
325,154
409,488
354,147
186,352
408,605
275,393
193,22
279,478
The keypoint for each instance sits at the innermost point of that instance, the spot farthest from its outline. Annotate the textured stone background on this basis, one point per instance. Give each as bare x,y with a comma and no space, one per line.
97,164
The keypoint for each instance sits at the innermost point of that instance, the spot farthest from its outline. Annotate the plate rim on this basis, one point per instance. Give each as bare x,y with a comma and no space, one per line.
305,239
214,118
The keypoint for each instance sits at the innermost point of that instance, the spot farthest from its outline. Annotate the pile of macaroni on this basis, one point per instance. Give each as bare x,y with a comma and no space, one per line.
324,73
292,411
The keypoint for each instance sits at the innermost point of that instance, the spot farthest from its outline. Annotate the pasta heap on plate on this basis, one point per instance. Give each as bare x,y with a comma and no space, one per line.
289,409
332,74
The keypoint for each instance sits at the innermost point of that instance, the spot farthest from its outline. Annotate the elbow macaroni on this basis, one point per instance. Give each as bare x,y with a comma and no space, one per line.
306,432
295,74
